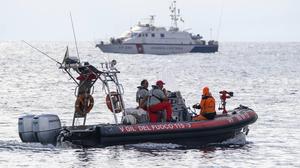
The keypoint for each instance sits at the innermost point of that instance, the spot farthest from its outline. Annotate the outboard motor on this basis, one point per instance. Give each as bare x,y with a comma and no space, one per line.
46,128
26,133
180,111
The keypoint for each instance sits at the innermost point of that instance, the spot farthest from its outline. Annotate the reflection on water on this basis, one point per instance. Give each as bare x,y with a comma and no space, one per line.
115,153
85,157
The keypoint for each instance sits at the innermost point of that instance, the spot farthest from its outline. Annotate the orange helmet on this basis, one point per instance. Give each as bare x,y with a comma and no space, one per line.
205,91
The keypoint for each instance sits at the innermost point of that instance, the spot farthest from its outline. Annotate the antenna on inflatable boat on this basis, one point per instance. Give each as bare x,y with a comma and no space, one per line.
74,36
42,52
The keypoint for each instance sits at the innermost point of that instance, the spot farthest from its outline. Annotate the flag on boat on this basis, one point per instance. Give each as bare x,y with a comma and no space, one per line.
66,55
68,60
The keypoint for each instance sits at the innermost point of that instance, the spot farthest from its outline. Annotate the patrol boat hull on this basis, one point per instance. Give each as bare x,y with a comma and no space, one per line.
223,127
158,49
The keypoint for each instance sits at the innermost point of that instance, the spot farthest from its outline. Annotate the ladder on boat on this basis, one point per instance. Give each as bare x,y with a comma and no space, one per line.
113,89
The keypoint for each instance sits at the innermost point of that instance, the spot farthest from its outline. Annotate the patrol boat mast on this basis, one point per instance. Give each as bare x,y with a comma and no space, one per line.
175,16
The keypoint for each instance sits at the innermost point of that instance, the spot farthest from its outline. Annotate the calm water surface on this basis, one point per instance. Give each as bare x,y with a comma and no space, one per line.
263,76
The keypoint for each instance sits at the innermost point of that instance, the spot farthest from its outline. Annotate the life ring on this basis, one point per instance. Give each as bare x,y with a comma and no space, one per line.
84,101
115,102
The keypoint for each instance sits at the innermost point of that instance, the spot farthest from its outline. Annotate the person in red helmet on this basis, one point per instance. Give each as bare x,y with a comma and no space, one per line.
157,101
207,106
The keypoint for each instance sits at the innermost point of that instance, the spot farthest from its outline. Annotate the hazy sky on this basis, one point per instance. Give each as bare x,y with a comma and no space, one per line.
241,20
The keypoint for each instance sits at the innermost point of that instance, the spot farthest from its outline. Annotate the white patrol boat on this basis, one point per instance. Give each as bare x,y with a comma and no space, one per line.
150,39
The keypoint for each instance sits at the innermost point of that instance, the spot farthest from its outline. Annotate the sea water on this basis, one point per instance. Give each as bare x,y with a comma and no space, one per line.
263,76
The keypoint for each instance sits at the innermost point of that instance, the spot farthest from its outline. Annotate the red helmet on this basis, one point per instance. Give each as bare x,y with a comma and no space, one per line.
160,82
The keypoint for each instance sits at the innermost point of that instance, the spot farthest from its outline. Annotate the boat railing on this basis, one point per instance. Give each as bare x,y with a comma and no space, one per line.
201,42
116,40
213,42
110,79
196,37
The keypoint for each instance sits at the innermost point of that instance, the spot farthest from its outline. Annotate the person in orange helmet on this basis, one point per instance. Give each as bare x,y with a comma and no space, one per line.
207,106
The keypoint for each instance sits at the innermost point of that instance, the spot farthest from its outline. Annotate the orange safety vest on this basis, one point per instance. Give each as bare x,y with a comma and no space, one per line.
207,105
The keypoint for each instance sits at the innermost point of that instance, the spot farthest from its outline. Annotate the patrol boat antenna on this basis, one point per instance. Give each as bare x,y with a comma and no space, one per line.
151,22
175,16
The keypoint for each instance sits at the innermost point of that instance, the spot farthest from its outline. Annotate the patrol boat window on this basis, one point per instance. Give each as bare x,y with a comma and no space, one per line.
162,35
134,34
153,35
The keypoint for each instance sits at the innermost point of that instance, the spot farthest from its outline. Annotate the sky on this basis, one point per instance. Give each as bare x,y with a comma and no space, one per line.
223,20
